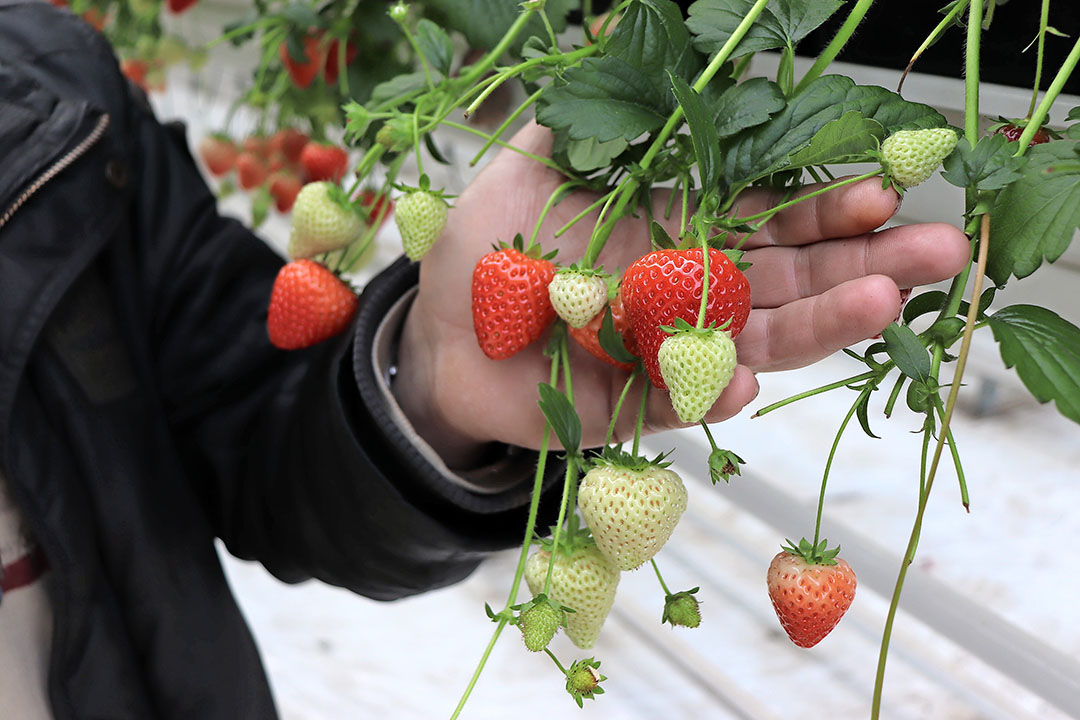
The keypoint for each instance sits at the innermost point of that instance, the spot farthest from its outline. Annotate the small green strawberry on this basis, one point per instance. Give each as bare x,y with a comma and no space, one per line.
582,580
696,364
911,156
323,220
539,620
578,295
583,680
682,609
420,216
631,505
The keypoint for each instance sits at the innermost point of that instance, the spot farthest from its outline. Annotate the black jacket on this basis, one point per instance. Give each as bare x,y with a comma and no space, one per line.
143,413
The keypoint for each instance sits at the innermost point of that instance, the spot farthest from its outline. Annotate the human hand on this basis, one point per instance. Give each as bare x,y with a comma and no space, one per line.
821,279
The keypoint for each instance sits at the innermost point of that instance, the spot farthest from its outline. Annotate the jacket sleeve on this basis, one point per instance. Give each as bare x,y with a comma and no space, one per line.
302,461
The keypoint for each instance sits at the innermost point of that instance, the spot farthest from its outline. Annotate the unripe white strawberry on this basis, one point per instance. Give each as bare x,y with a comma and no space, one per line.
696,366
631,508
322,221
584,581
578,296
420,217
912,156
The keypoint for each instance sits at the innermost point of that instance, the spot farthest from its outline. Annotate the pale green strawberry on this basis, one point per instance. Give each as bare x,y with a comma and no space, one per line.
322,221
911,156
583,680
420,217
696,366
583,581
578,295
631,506
683,609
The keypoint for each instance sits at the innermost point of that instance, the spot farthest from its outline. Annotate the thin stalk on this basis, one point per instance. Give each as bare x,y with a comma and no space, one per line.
836,45
480,668
803,198
547,162
704,282
618,406
581,215
818,390
942,26
505,124
1044,21
555,660
829,462
894,395
961,362
547,207
497,52
1056,86
640,418
550,30
659,577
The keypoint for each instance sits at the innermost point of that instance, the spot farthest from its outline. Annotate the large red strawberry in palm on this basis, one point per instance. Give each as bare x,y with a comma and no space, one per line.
510,303
666,284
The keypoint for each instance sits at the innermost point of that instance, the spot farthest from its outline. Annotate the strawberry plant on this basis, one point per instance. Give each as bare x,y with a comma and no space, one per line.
645,102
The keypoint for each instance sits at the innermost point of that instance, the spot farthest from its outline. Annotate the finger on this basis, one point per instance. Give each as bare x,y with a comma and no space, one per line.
911,255
846,211
807,330
660,416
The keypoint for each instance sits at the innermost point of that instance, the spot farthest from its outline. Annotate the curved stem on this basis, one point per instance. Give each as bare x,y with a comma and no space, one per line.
836,45
829,462
547,162
659,577
552,199
497,52
932,38
1056,86
803,198
824,388
618,406
510,119
479,668
639,425
1044,21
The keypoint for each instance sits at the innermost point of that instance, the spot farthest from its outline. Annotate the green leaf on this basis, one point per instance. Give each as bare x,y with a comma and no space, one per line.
924,303
625,92
561,415
400,85
985,299
301,15
1074,115
484,22
590,154
702,132
990,165
1035,217
611,341
861,413
848,139
783,23
661,240
766,148
745,105
1045,350
907,351
435,45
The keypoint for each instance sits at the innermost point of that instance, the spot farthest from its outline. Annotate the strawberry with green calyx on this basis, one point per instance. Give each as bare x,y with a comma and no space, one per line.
420,216
810,589
323,220
539,620
303,58
696,364
583,680
308,304
578,294
1014,129
910,157
664,285
396,134
682,609
511,306
582,580
631,505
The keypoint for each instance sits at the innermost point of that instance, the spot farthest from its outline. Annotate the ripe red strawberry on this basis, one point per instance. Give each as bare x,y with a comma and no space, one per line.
284,187
250,171
588,337
218,153
257,145
510,303
330,73
303,71
631,506
308,304
179,6
96,18
1013,131
667,284
810,589
289,142
323,161
583,580
135,70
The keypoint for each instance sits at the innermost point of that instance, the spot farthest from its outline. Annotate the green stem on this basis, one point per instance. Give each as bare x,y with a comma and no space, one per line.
480,668
824,388
570,477
547,162
971,73
555,660
829,462
932,38
486,62
550,30
552,199
836,45
603,200
505,125
618,406
1043,110
803,198
1044,21
640,419
659,576
704,282
894,394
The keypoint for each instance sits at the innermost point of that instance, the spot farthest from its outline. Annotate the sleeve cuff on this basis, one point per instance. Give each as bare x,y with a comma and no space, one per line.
502,483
